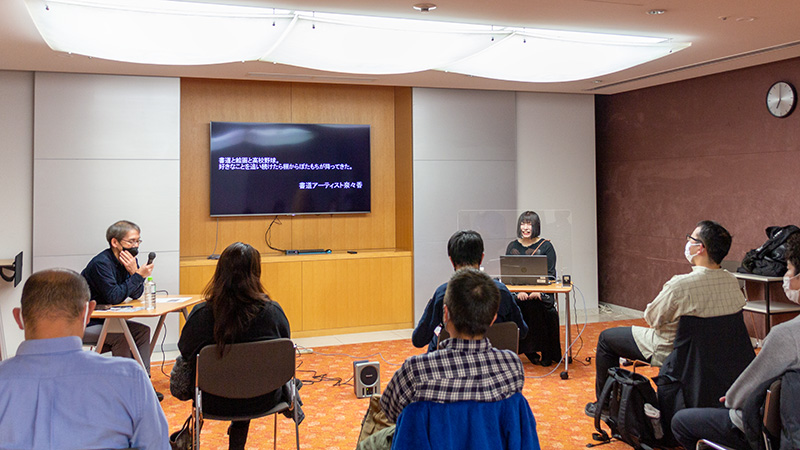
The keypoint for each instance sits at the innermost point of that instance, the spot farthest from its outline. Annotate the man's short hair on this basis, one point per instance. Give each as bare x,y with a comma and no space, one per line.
120,229
465,248
531,218
715,238
472,299
54,294
793,251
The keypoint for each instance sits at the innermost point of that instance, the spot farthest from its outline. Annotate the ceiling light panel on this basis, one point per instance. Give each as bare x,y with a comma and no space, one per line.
385,46
186,33
157,32
529,57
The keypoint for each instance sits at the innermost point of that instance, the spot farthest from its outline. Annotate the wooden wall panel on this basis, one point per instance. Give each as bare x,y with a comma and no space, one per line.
404,169
203,101
281,281
357,292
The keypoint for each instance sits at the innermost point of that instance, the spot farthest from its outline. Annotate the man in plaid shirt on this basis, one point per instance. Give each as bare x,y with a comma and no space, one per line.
466,366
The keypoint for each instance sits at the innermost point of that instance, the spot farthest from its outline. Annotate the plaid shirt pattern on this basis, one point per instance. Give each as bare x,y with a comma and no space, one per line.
703,292
462,370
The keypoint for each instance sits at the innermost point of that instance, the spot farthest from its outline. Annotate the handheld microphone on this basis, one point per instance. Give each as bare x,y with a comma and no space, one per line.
151,257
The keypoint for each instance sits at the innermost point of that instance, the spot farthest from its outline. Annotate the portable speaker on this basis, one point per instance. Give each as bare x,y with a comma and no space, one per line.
366,378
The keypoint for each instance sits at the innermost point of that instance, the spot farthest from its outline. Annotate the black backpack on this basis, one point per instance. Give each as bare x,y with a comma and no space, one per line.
770,258
624,397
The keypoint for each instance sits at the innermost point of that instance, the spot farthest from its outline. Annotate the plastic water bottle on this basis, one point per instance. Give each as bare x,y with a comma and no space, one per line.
150,294
655,420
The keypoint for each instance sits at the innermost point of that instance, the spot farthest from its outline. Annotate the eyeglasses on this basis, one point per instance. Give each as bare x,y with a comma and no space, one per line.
131,241
689,237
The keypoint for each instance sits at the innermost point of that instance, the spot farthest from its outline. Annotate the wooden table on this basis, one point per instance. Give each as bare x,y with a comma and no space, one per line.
555,288
115,319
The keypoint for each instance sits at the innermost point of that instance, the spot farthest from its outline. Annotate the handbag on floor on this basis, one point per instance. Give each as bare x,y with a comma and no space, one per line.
182,439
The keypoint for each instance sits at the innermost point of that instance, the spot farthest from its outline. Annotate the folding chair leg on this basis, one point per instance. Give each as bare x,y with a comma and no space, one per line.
275,433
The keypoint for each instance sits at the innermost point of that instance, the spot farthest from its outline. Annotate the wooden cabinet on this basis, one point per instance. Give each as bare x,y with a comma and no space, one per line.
330,293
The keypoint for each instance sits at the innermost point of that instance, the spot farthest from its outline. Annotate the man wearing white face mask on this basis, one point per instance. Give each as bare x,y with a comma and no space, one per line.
53,394
707,291
780,353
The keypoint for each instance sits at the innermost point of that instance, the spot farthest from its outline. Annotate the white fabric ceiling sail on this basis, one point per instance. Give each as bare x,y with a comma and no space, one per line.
539,57
378,46
157,32
186,33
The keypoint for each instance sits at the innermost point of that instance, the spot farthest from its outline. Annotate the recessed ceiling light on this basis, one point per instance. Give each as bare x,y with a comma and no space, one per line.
657,12
424,7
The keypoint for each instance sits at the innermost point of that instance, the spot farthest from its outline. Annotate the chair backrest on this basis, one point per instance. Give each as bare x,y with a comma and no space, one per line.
709,354
246,370
772,409
503,336
467,425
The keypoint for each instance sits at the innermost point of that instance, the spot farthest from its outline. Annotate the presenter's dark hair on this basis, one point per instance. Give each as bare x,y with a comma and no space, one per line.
531,218
793,251
235,293
465,248
53,294
472,299
716,239
120,229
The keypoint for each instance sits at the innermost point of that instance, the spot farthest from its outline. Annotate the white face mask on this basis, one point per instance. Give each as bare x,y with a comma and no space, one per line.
792,294
687,251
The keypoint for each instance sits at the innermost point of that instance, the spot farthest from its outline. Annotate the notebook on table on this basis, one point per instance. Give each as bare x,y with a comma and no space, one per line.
516,270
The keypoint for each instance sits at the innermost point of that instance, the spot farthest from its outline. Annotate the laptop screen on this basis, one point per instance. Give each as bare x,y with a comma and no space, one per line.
523,269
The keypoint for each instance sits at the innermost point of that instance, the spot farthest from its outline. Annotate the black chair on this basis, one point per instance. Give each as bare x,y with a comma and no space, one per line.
246,370
708,355
503,336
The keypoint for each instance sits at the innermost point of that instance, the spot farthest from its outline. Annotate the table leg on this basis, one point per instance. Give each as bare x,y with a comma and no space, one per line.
102,339
119,325
157,332
567,338
132,344
768,322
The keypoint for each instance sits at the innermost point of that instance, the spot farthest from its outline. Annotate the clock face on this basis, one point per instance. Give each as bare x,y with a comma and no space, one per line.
781,99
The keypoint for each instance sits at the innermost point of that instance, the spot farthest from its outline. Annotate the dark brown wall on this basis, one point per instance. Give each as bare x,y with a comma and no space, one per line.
671,155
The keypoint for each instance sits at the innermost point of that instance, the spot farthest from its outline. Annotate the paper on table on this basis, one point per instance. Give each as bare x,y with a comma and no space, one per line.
126,308
172,299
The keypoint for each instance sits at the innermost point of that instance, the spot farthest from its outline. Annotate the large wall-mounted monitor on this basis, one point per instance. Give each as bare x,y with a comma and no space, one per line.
289,168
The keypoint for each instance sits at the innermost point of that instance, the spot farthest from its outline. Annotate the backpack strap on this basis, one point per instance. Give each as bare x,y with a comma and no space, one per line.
605,395
624,405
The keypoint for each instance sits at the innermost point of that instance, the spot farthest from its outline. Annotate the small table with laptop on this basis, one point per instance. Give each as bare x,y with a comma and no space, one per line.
528,273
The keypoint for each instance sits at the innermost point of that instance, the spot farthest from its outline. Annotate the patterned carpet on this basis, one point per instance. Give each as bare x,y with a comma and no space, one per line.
333,413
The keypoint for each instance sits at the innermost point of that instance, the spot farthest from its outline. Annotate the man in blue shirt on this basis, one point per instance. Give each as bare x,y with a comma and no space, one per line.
113,276
465,249
53,394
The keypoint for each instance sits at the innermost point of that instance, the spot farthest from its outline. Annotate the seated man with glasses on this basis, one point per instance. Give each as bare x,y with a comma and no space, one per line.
113,276
707,291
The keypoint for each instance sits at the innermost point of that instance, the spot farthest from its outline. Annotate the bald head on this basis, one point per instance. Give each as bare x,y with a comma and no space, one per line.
52,299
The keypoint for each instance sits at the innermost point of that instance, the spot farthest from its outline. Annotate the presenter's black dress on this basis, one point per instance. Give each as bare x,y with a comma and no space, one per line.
540,315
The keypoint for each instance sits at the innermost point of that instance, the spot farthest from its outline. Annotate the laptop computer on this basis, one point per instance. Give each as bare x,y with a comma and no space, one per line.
523,269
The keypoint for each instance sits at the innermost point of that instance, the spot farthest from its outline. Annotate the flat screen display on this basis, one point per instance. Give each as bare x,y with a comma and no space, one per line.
286,169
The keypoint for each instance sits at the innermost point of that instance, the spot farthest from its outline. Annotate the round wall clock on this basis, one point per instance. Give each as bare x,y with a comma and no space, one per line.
781,99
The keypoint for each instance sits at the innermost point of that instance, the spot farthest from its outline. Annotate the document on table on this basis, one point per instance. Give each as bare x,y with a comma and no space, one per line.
126,308
172,299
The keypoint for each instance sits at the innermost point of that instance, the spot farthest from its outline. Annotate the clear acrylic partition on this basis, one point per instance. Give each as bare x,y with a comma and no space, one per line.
498,228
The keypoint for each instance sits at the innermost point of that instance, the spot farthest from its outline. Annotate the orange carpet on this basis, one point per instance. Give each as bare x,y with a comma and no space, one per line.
333,413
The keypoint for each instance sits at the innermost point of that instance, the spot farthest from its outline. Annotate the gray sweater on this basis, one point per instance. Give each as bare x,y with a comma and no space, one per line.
781,352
